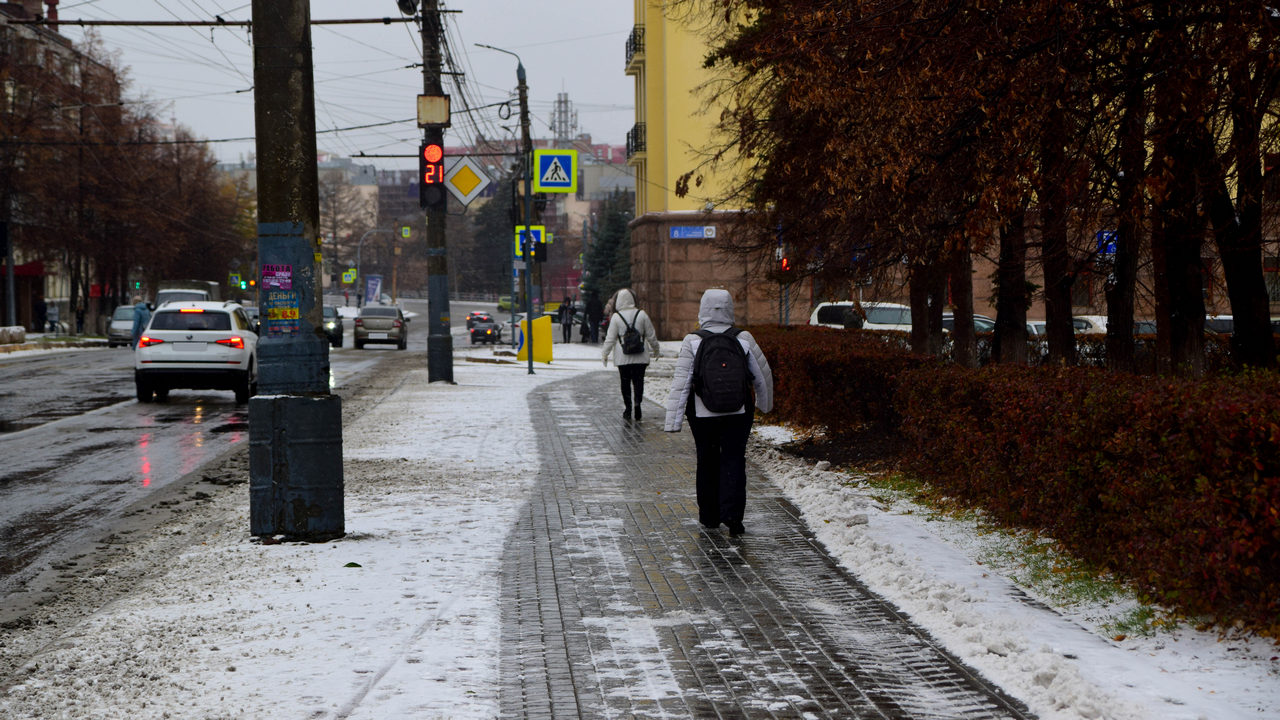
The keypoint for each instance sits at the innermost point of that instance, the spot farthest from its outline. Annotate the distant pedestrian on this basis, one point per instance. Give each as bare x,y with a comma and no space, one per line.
80,317
629,331
594,315
720,435
566,320
53,318
40,311
141,316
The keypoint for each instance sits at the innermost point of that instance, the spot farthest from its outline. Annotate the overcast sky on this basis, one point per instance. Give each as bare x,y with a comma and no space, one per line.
201,77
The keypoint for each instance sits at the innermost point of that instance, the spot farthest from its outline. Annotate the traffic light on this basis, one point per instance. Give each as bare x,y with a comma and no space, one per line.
538,250
431,193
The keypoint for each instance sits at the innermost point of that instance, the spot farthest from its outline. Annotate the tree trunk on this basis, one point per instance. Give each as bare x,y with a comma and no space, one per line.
1180,281
928,284
1124,271
964,343
1055,252
1012,296
1238,229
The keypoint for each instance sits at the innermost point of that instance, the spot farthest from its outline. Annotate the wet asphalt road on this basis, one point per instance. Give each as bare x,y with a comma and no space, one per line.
77,450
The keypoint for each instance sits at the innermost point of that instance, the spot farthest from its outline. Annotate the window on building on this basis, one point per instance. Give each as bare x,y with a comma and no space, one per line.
1271,275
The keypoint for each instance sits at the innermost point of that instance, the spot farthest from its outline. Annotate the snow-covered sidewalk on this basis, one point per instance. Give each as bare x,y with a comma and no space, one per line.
399,619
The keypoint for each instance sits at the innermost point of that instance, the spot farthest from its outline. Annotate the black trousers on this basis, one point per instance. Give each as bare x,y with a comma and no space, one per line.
721,444
566,333
632,377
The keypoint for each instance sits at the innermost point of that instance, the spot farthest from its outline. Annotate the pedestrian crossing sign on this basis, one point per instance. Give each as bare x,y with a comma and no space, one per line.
555,171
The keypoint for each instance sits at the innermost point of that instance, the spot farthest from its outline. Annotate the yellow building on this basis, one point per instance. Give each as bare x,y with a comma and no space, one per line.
673,125
676,241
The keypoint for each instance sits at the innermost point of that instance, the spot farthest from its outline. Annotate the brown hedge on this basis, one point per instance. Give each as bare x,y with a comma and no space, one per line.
840,381
1174,484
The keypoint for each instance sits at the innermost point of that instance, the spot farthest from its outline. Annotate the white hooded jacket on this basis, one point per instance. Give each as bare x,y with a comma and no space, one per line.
715,314
625,305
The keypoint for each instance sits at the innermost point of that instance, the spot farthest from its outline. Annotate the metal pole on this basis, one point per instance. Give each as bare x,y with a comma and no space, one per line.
527,143
439,327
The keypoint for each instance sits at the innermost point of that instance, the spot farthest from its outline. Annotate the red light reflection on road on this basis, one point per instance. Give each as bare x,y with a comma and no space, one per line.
143,442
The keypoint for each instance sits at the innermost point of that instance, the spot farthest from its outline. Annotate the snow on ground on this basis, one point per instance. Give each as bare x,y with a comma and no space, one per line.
400,618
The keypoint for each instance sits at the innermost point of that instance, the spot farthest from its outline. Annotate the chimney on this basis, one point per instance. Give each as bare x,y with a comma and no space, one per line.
52,15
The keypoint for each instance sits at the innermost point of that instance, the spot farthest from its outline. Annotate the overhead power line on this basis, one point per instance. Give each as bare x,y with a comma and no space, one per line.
202,23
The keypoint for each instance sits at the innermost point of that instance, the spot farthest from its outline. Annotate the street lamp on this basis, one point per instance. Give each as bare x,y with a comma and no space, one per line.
527,142
359,247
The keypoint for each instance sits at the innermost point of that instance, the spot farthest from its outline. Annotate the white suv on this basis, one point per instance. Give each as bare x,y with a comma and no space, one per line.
880,315
197,346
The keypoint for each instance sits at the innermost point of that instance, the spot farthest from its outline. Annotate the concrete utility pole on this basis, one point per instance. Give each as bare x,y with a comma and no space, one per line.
527,239
295,425
527,142
439,330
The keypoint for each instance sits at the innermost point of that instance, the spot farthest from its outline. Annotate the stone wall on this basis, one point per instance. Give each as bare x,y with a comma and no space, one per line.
671,267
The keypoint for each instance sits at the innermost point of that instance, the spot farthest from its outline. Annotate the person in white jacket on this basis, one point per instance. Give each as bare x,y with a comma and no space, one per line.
631,367
720,437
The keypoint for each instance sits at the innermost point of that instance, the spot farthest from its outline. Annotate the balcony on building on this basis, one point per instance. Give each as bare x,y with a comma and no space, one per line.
635,140
635,50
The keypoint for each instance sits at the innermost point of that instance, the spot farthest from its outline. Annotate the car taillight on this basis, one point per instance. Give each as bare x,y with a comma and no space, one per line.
145,341
397,323
359,321
234,342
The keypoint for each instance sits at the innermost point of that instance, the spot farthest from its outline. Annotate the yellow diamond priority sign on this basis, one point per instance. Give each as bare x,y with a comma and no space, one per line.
466,180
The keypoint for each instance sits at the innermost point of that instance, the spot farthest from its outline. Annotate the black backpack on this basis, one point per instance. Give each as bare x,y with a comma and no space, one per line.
632,340
721,376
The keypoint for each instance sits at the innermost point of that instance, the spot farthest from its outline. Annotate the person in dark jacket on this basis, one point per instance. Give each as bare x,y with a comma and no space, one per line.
631,367
720,438
594,314
40,311
566,320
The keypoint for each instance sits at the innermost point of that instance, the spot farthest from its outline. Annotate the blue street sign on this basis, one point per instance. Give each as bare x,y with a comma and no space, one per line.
555,171
1106,242
693,232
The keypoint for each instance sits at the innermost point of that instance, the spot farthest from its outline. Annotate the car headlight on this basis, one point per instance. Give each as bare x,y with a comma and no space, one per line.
329,325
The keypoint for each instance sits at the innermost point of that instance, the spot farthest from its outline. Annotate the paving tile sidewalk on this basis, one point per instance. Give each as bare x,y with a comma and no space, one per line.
616,603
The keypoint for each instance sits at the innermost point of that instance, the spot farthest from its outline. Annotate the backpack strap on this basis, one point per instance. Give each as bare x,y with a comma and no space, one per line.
630,325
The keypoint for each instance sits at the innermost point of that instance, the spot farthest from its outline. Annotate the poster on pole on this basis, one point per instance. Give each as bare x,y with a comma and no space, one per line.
372,288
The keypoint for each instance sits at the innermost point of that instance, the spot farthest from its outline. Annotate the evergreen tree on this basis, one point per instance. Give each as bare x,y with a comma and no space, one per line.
608,260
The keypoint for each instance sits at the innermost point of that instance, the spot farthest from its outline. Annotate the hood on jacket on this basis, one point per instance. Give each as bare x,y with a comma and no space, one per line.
624,301
716,308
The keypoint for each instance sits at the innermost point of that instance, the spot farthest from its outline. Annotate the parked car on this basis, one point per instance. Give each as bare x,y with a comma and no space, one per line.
120,329
478,316
486,331
504,303
1037,328
1090,324
252,312
981,323
1144,327
166,296
333,325
1220,324
381,324
197,346
879,315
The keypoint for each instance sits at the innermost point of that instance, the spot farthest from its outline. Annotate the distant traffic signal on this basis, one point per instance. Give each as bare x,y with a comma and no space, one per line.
431,192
